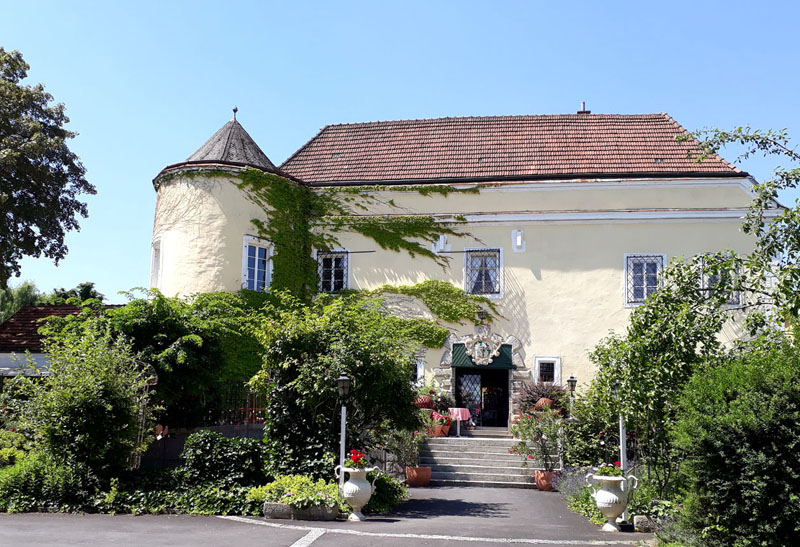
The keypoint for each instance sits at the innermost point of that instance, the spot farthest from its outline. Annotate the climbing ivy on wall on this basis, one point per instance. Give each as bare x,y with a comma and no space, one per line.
300,219
446,301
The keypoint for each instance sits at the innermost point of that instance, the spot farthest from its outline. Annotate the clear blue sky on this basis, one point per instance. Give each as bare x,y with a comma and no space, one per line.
146,83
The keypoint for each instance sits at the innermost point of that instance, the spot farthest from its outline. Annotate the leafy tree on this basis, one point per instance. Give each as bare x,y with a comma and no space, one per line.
197,347
26,294
771,273
91,408
82,292
306,347
40,178
669,337
12,299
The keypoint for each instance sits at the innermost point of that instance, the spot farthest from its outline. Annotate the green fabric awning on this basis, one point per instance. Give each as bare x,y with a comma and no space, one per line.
502,361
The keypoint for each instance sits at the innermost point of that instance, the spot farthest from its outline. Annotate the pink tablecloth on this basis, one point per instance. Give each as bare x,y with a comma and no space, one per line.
459,413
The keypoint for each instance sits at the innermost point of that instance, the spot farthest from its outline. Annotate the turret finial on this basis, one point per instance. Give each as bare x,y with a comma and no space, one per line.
235,110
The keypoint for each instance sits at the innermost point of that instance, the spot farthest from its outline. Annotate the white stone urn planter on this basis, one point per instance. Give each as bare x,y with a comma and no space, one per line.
357,489
611,497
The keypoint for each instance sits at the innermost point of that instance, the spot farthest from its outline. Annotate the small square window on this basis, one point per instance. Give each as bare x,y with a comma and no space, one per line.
332,269
547,370
642,274
483,271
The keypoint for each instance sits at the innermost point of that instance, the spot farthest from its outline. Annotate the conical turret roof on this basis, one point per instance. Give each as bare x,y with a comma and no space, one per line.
232,144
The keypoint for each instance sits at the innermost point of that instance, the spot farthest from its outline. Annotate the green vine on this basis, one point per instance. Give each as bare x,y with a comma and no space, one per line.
446,301
300,219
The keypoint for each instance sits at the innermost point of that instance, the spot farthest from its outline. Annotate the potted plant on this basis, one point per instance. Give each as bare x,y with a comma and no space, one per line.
441,423
357,489
432,426
538,434
405,445
612,495
424,397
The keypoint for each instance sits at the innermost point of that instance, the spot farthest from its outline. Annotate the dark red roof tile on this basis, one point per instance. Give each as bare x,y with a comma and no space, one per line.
501,146
19,333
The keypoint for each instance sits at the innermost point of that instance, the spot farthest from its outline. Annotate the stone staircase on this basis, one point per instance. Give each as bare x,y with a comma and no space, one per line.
477,458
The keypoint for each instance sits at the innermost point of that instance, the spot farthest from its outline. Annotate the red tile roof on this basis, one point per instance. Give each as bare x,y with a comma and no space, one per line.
498,147
20,333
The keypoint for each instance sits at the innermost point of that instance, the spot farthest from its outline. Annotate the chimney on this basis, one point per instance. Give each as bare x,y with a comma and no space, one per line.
583,109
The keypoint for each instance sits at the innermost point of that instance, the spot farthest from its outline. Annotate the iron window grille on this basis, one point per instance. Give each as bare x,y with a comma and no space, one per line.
332,270
547,372
483,271
642,277
712,279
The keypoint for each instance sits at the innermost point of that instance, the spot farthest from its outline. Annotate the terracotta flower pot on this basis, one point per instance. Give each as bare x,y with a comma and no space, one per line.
438,431
544,480
543,403
445,430
418,476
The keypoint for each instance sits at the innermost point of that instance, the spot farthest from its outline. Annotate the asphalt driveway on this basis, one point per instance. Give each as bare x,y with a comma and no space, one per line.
433,516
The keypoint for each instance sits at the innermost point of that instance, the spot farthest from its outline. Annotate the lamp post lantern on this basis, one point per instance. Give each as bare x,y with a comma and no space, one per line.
343,385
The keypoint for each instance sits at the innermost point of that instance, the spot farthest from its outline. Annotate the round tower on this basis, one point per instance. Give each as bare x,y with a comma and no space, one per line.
203,239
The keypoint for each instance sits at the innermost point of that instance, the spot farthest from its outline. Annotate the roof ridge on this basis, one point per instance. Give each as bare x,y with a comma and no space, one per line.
229,136
496,116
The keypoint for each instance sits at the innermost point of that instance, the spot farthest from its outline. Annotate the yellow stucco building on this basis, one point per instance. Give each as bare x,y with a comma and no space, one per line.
575,217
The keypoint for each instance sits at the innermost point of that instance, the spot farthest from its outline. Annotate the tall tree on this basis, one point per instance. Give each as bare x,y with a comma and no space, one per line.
40,178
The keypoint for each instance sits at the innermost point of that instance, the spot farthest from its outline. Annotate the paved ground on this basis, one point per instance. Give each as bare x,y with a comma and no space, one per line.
434,516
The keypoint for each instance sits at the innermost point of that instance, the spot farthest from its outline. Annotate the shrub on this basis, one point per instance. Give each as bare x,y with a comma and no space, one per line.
531,392
539,434
202,499
739,433
196,345
572,485
210,457
38,482
13,447
442,401
591,435
388,493
91,407
405,446
299,491
305,349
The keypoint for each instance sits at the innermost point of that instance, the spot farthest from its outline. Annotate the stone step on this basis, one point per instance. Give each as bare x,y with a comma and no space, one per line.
465,457
485,432
470,442
481,477
481,484
483,469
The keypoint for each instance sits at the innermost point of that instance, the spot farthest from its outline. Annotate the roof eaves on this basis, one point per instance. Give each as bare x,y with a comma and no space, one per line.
218,163
510,178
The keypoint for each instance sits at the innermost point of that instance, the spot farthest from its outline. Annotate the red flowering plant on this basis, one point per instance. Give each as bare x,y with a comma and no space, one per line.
539,438
609,470
441,419
356,460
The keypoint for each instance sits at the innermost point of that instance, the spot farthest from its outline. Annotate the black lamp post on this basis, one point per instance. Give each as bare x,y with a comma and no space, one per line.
343,385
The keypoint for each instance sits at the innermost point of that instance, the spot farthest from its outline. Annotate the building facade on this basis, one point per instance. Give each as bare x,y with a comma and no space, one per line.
574,218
